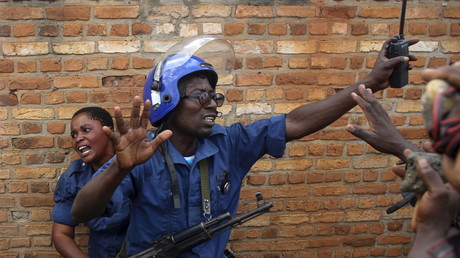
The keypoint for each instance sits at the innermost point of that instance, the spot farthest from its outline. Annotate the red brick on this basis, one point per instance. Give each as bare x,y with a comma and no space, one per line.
122,96
246,11
437,62
356,62
121,30
76,97
72,30
436,30
358,29
454,29
277,29
31,98
253,79
296,79
98,97
118,12
357,241
50,65
417,28
233,29
338,63
141,28
33,142
54,98
298,28
97,30
337,11
21,13
120,63
124,81
25,30
31,128
234,95
56,127
5,30
73,65
8,100
97,63
256,28
30,84
319,28
254,62
142,63
26,66
68,13
37,201
49,30
6,66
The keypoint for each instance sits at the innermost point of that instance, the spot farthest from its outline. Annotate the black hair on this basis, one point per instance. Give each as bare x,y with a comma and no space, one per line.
98,114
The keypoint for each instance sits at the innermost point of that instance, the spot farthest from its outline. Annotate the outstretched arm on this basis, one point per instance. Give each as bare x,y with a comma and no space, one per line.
383,135
310,118
132,148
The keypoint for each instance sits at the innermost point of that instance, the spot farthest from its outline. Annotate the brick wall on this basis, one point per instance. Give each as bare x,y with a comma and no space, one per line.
330,189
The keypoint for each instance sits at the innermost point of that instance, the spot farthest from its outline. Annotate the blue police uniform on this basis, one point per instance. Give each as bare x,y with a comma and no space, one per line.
108,231
229,150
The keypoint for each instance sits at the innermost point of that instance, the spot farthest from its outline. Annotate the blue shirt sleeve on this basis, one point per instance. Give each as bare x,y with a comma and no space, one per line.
64,195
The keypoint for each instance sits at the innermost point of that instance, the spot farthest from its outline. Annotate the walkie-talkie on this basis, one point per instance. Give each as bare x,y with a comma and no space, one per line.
399,47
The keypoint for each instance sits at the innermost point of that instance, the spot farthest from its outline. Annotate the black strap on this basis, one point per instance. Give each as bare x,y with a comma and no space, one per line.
173,175
205,195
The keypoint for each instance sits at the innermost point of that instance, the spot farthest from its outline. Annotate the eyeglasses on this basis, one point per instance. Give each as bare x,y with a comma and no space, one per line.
205,98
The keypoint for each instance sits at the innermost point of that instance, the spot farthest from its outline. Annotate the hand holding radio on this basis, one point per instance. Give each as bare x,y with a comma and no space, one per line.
399,47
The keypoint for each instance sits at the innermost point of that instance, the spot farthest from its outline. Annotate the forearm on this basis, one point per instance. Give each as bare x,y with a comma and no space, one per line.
68,248
93,198
63,240
308,119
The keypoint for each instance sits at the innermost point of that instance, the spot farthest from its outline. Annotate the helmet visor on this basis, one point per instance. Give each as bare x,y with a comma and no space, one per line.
215,51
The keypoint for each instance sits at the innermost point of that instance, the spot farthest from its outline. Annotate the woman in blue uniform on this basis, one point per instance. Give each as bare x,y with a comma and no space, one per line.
95,149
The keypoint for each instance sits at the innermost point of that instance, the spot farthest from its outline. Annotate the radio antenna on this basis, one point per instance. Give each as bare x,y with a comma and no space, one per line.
403,17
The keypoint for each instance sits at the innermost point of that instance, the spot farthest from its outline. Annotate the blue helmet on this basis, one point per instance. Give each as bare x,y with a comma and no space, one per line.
161,86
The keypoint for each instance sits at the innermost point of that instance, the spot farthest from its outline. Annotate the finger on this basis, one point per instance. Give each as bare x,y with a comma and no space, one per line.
160,139
359,132
413,41
146,114
413,221
369,97
399,171
135,112
407,152
111,135
383,50
120,122
428,146
430,177
449,73
393,62
413,58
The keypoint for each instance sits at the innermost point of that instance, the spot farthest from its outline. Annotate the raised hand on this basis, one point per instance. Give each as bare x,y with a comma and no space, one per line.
131,144
378,79
434,212
383,135
449,73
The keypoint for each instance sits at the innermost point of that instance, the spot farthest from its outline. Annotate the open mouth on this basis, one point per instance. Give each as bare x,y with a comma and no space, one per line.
209,119
84,150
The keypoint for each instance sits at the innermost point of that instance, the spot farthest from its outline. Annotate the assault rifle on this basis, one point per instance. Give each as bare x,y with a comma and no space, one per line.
174,244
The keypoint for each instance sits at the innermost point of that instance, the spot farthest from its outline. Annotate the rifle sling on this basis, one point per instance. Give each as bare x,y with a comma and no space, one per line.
205,195
173,175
